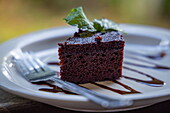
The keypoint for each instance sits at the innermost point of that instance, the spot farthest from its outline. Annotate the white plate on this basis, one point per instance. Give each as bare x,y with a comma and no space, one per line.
144,39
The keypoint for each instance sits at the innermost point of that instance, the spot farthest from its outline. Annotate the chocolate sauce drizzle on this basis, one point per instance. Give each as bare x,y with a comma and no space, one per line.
154,82
131,90
54,63
52,89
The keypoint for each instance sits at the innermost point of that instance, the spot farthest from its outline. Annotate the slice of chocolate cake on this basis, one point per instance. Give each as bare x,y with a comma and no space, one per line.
94,53
91,59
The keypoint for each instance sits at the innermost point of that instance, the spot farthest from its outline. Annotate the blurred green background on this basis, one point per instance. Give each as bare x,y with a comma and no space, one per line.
18,17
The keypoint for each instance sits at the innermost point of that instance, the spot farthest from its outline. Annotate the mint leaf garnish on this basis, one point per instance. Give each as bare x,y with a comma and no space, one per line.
105,25
77,18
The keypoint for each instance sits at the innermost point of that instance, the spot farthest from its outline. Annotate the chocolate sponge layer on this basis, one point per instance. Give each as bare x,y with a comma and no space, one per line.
86,60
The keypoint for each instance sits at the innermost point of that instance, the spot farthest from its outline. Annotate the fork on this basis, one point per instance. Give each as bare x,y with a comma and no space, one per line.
34,70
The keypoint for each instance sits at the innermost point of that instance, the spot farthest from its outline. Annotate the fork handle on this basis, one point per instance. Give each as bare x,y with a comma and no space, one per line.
93,96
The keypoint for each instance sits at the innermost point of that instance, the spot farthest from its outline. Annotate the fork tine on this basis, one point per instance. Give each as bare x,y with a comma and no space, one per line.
41,70
21,66
40,63
31,60
28,64
37,61
24,65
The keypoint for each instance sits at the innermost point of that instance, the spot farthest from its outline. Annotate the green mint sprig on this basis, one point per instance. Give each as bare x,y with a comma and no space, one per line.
77,18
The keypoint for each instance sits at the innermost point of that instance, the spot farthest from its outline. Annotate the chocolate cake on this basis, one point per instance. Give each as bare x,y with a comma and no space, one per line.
91,59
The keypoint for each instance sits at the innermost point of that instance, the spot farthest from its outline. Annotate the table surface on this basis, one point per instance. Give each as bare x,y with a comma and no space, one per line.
10,103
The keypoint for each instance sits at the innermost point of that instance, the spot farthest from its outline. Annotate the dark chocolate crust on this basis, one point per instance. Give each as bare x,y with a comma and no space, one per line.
91,59
106,37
